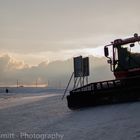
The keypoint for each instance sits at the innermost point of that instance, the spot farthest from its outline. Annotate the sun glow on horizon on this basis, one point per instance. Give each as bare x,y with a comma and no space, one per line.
28,60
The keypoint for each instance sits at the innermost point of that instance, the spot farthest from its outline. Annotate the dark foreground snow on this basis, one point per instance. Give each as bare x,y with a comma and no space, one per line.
49,118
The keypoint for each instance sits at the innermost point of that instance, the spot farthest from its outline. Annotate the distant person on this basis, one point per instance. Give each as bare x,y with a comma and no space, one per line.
7,90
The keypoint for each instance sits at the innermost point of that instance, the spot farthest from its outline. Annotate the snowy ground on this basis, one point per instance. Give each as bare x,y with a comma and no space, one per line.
43,115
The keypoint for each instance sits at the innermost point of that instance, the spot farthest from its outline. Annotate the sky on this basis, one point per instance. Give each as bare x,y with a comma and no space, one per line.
37,31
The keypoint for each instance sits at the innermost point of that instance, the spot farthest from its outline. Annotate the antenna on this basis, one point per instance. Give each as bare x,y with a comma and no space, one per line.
36,83
17,83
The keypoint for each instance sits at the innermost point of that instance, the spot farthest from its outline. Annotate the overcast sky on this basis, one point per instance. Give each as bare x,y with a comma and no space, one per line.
36,31
42,30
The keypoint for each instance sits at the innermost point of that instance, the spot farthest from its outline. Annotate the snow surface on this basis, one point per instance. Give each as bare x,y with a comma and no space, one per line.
45,113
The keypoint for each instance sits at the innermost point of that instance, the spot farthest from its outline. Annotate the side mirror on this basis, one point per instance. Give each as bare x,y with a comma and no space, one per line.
106,53
132,45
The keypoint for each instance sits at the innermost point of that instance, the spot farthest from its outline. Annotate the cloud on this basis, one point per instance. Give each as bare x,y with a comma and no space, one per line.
9,63
55,73
8,68
42,31
62,25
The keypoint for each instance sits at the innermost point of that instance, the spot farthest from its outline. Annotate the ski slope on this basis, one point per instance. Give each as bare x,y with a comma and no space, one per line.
45,114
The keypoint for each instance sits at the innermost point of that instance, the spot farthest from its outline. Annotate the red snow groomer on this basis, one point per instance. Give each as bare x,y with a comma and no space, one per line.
125,88
124,63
